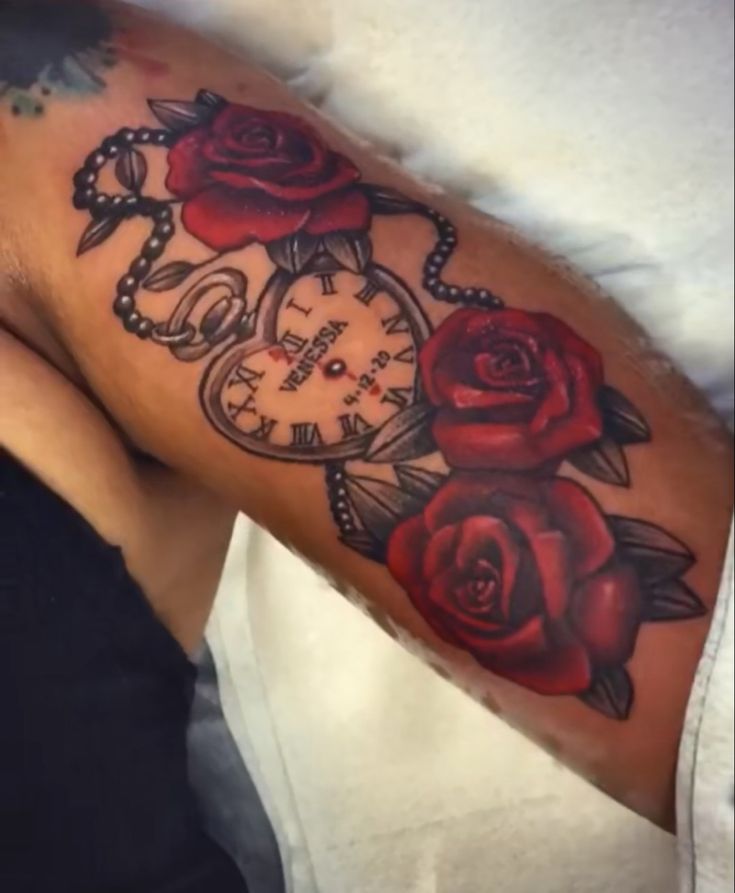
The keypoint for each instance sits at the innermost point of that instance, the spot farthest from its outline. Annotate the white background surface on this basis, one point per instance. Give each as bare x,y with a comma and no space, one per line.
604,129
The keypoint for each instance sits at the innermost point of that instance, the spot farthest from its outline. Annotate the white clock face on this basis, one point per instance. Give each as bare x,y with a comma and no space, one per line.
340,359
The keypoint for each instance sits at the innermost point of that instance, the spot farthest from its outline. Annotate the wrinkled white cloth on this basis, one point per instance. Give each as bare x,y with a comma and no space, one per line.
706,780
604,131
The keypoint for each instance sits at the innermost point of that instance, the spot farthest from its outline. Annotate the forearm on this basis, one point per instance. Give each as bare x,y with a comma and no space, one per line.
361,392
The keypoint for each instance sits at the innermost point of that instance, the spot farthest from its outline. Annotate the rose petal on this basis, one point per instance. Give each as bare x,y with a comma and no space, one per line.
552,560
564,670
465,495
482,445
405,551
458,624
346,210
342,174
527,642
606,613
556,402
572,343
435,349
440,551
477,536
577,515
226,220
188,171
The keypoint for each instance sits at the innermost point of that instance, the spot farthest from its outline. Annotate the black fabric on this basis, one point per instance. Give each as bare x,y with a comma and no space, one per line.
94,794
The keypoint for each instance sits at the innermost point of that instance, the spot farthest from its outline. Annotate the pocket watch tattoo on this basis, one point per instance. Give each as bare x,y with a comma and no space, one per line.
444,450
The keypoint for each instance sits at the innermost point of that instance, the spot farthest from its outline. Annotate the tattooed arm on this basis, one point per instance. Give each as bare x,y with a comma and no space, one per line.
399,388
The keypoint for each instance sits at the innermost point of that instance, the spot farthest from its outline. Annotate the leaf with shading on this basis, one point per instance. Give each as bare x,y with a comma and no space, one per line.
96,233
365,544
419,482
293,252
622,422
604,460
655,553
611,693
179,115
407,435
352,250
211,99
388,201
169,276
380,505
672,600
132,169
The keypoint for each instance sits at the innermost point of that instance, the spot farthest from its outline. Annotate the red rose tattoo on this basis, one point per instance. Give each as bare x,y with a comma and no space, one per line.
503,559
250,175
522,574
515,390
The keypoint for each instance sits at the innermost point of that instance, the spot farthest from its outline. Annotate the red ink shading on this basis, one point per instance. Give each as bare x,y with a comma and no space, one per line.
375,390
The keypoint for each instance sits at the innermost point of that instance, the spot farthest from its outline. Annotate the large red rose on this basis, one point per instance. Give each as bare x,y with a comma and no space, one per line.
255,176
515,390
522,574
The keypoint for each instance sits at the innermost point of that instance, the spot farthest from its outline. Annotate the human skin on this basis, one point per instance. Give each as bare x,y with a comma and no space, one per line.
521,580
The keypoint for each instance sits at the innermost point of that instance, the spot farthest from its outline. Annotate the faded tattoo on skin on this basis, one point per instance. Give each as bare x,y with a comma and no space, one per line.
444,450
51,49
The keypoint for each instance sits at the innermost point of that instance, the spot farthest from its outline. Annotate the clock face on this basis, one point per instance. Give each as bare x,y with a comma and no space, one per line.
333,359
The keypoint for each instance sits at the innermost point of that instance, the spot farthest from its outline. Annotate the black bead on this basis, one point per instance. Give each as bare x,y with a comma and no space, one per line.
81,200
127,285
469,294
441,290
430,283
100,205
453,292
110,147
484,294
143,135
94,161
123,305
132,322
161,138
145,327
153,248
163,214
130,205
140,268
84,178
341,506
163,230
126,136
116,201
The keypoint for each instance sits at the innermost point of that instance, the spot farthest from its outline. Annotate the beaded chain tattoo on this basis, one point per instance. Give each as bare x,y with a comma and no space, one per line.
445,452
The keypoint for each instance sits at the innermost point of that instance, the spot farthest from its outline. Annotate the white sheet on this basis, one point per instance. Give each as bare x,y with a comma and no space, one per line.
605,131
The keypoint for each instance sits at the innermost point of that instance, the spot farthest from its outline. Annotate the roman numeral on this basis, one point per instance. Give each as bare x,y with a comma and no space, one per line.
304,311
306,434
395,324
234,410
327,281
399,397
367,292
407,355
291,343
248,377
264,429
352,425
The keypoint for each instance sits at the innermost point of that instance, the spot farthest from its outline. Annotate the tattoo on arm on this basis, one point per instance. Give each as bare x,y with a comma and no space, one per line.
467,429
50,49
